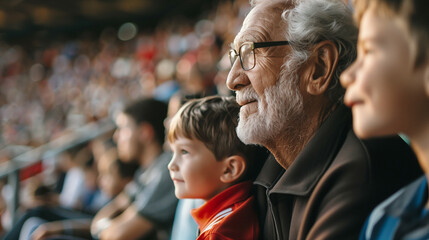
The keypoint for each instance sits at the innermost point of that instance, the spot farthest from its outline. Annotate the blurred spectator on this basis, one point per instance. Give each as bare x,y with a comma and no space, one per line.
165,83
72,163
114,173
145,209
114,176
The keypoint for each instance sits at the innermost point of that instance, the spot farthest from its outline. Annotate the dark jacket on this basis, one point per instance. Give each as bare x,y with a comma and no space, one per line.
333,184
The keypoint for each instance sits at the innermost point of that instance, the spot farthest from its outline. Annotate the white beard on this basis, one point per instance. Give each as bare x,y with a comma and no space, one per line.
284,106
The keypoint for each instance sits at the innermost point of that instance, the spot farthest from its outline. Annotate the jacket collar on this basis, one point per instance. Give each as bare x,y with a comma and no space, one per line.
306,170
221,205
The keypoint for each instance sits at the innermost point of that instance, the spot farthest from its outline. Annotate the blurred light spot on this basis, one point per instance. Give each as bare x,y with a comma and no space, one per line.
37,71
121,68
127,31
204,27
165,69
61,64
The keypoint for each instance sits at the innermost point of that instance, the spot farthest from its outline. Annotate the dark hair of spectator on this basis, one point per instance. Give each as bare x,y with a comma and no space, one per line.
150,111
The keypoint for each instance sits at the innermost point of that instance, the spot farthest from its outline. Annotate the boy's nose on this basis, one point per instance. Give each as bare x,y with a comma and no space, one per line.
172,166
348,76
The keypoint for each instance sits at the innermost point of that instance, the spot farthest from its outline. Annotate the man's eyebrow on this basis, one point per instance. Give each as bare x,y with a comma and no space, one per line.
242,38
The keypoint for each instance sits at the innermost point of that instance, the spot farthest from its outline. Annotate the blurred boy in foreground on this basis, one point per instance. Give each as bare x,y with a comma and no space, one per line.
388,91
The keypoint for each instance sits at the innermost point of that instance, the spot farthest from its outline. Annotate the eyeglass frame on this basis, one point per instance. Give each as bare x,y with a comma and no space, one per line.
253,45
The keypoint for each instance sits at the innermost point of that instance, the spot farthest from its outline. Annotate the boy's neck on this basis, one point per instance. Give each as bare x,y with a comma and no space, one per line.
221,189
420,145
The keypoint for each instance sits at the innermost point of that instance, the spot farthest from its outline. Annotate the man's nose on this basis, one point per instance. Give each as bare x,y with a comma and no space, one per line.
236,78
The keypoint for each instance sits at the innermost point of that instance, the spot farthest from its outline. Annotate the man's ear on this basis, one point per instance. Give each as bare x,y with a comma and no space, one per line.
320,67
234,168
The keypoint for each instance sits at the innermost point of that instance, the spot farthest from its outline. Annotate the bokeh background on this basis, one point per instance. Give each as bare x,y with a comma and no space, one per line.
64,63
67,64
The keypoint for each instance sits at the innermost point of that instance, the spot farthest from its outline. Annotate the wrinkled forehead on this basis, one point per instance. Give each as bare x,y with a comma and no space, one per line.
264,23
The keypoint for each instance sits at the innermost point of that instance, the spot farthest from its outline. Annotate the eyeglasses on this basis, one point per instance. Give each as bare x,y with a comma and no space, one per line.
247,54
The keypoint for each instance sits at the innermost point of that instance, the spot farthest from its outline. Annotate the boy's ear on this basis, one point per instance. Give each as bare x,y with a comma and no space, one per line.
234,168
318,72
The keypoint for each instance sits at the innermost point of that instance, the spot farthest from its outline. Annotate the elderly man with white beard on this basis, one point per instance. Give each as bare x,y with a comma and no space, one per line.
321,181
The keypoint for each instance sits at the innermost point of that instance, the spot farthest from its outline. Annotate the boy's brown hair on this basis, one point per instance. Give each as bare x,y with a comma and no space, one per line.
413,12
213,120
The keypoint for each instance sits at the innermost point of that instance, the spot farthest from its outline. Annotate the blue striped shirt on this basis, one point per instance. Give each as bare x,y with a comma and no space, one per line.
402,216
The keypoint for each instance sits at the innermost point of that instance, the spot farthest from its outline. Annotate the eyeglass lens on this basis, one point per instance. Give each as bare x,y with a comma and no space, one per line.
232,56
247,56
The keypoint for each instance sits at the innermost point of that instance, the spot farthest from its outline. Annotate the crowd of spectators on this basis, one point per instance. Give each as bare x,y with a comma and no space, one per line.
61,85
53,89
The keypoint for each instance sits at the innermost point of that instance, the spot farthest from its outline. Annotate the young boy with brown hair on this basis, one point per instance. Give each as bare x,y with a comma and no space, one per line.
211,163
388,91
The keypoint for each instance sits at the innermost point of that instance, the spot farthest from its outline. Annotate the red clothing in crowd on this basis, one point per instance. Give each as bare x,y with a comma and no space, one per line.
229,215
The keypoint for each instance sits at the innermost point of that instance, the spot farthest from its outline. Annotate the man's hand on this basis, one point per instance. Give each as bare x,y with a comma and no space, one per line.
111,233
98,226
129,225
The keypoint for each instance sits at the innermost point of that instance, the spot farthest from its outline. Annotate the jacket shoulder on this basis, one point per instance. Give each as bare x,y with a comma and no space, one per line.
387,163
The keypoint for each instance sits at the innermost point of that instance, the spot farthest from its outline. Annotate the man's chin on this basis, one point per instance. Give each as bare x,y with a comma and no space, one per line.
245,138
246,132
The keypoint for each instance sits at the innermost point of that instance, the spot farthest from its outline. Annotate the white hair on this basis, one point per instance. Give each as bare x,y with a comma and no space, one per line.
312,21
256,2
